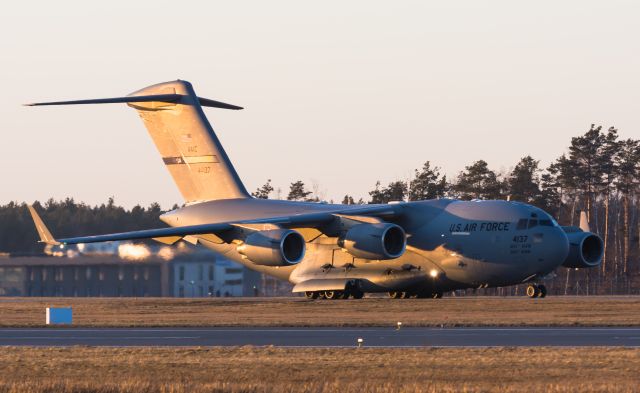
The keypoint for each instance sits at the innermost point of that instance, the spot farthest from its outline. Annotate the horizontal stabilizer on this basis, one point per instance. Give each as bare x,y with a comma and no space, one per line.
168,98
217,104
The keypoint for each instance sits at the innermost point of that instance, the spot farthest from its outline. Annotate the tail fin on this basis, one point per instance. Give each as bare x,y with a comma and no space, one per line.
43,231
191,151
584,223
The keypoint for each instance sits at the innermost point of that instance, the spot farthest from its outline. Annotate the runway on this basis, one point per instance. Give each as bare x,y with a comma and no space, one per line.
323,337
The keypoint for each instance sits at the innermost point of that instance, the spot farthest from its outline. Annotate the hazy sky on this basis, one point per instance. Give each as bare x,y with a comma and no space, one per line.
341,93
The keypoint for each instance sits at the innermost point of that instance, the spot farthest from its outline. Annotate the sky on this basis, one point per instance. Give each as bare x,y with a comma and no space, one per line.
338,94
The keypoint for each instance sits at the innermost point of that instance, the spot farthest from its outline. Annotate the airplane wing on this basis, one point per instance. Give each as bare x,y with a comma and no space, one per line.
173,234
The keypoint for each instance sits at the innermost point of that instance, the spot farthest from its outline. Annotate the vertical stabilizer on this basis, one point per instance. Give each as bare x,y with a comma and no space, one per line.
190,149
43,231
187,143
584,223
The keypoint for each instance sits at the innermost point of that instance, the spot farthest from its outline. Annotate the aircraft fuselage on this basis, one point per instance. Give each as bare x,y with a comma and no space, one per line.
450,244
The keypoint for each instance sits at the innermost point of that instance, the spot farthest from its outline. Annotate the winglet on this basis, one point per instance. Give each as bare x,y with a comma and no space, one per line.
43,231
584,223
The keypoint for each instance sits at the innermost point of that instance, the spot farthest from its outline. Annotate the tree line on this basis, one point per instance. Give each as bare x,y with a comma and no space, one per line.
67,218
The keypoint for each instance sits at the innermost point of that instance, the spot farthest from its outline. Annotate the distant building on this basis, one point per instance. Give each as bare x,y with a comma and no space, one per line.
192,274
220,277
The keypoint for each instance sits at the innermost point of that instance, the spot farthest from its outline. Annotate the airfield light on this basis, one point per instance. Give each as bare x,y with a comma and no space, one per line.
433,273
360,342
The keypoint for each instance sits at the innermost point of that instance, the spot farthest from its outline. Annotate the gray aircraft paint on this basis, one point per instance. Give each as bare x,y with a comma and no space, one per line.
450,244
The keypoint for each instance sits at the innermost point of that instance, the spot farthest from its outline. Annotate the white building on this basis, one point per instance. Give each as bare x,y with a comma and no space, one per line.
203,274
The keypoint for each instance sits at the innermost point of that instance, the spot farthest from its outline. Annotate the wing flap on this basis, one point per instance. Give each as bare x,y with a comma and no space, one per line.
167,239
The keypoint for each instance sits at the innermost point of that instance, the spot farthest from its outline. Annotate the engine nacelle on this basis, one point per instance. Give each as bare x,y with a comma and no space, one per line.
585,250
276,247
374,241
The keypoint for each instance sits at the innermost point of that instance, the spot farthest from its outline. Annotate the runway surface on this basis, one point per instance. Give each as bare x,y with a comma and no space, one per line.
323,337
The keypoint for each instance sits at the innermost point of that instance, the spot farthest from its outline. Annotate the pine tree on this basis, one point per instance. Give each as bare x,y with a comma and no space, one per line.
563,181
377,195
584,156
549,199
628,179
348,200
478,182
264,191
394,192
608,169
297,192
524,182
427,184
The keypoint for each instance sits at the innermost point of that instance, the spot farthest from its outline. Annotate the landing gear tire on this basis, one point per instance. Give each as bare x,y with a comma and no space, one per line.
533,291
542,291
395,295
320,295
436,295
311,295
332,295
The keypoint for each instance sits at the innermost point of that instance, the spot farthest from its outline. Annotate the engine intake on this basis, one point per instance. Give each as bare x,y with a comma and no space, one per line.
276,247
374,241
585,250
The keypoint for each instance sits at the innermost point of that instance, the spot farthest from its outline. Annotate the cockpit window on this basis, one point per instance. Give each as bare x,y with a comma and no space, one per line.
546,223
522,224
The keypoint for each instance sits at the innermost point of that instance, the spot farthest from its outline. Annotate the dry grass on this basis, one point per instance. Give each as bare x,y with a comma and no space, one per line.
265,369
477,311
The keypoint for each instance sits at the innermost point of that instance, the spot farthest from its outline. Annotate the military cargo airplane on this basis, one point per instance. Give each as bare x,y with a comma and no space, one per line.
332,251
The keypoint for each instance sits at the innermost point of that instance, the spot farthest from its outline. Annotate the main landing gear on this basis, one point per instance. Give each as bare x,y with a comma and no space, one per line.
412,295
536,290
333,295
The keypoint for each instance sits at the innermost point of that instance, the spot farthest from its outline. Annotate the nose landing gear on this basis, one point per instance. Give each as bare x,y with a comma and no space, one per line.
536,290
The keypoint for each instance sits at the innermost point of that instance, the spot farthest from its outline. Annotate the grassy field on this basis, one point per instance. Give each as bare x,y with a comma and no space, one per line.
266,369
469,311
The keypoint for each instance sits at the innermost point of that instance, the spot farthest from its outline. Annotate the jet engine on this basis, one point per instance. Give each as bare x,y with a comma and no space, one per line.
276,247
585,250
374,241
